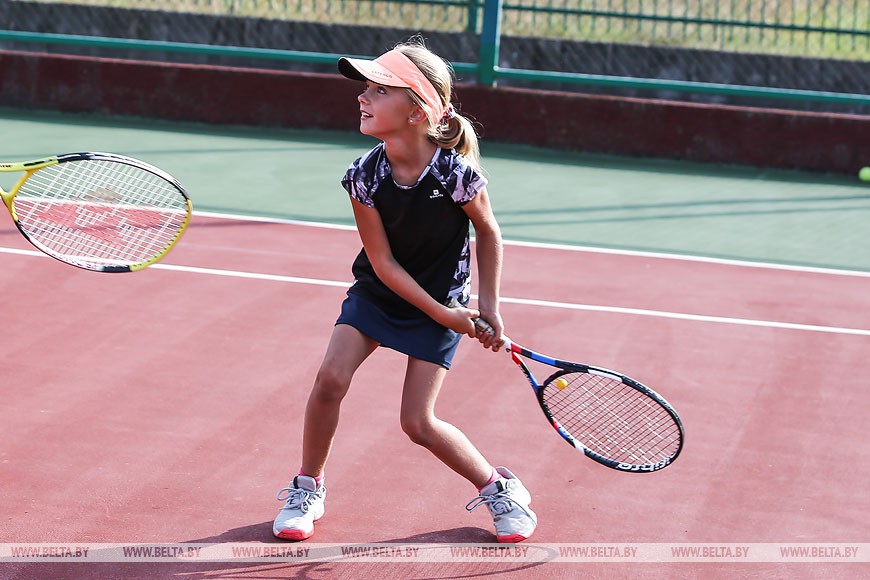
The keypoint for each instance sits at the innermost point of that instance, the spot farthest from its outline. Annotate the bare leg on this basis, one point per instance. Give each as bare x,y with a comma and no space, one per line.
422,383
347,350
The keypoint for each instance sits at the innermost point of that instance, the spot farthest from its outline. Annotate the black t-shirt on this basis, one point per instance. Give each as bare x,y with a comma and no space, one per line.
427,229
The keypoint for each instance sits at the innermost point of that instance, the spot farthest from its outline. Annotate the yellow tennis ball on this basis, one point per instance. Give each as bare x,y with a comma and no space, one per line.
864,174
561,383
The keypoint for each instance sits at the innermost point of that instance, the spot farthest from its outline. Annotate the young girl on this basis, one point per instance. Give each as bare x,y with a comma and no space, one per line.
413,197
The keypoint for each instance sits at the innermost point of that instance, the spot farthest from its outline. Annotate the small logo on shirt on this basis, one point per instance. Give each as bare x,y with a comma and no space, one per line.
435,194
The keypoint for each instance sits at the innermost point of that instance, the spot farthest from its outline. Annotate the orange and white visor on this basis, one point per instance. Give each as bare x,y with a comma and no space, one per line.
394,69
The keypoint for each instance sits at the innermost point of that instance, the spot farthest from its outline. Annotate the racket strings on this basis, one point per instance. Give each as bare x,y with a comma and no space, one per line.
96,213
613,419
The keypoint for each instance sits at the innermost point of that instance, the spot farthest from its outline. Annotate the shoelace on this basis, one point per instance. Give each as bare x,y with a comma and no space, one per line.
296,498
497,503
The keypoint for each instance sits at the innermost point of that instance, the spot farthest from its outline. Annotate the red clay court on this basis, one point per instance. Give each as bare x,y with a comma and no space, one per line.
164,407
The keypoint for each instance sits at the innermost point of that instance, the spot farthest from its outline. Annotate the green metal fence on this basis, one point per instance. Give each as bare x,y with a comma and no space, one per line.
833,30
798,27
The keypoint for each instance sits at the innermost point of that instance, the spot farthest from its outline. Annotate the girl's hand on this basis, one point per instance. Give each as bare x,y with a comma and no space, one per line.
494,339
460,319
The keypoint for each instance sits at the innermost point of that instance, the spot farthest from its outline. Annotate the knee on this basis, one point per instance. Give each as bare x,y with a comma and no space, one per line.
419,430
330,386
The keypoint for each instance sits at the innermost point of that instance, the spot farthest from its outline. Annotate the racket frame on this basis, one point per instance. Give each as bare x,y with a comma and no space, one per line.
565,367
28,168
31,167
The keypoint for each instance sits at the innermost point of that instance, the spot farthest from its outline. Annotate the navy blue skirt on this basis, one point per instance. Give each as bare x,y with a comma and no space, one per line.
421,338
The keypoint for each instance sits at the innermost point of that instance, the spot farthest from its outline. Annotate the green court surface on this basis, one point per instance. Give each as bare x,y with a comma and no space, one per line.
538,195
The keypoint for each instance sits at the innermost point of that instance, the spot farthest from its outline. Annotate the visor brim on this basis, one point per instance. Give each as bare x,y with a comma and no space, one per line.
369,70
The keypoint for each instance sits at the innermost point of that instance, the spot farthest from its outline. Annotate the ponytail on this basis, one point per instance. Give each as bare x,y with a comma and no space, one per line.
457,132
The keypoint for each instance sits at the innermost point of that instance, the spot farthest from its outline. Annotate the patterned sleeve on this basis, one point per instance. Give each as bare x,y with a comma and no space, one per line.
365,174
458,176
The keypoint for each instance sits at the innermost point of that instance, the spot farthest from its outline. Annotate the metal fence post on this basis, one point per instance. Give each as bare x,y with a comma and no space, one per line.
473,6
490,37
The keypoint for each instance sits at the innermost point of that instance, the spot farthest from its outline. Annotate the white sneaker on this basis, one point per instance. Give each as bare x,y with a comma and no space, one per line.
508,501
305,505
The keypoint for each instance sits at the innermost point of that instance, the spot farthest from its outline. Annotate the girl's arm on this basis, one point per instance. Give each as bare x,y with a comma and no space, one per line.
489,262
391,273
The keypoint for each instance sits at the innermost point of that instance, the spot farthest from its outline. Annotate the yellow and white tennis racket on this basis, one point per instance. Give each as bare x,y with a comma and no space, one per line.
98,211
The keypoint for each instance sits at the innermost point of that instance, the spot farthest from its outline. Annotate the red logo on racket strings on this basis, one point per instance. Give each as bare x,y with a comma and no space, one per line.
101,215
98,206
102,195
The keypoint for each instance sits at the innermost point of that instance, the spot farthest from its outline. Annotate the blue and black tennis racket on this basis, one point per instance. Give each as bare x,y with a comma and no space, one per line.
613,419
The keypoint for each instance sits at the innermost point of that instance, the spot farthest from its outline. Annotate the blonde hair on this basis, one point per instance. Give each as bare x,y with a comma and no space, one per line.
454,131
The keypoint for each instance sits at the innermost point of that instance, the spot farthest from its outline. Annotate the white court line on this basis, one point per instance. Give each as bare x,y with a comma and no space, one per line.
506,299
694,317
542,303
251,275
573,248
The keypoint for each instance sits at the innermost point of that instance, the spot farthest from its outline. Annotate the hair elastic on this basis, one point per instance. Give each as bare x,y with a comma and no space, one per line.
449,113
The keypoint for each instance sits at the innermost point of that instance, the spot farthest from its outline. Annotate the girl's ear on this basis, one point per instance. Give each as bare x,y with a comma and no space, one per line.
418,115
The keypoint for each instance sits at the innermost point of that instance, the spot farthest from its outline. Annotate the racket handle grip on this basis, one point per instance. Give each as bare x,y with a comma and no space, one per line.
486,327
482,325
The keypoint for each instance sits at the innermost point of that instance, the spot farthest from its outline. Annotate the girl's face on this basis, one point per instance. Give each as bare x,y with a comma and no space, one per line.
384,110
